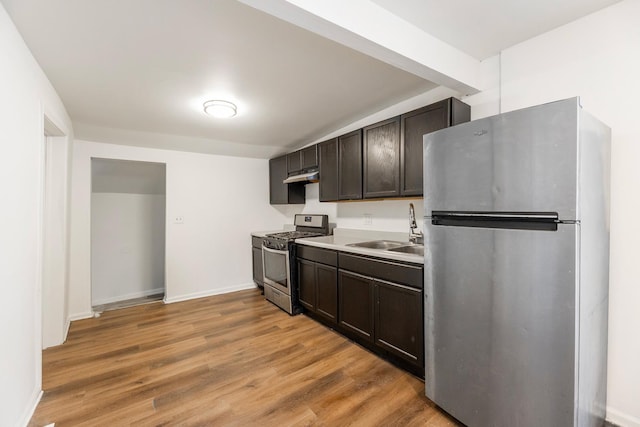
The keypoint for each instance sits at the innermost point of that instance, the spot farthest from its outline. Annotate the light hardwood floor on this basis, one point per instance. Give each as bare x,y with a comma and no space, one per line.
227,360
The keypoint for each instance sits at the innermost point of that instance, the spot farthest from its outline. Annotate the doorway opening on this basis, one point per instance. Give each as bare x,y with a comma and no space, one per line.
53,288
128,222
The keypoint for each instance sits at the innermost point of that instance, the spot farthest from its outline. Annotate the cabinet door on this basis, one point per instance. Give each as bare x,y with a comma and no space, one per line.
329,170
309,157
279,193
399,320
350,166
414,125
327,292
307,284
355,312
381,159
277,173
257,266
294,162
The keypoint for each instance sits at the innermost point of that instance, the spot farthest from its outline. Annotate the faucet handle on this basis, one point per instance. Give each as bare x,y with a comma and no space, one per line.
417,238
412,217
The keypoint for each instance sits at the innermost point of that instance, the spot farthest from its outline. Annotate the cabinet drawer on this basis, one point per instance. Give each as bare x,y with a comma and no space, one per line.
256,242
405,274
323,256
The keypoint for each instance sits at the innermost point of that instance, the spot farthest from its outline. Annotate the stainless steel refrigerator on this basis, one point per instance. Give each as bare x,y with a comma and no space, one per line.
517,267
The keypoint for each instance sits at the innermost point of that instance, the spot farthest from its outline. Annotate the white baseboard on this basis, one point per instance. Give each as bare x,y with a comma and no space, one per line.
621,419
66,330
211,292
79,316
125,297
31,408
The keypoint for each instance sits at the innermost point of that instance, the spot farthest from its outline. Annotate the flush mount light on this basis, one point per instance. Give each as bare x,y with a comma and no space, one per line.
220,109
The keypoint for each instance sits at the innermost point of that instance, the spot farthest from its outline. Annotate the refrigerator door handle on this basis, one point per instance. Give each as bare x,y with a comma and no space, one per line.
542,221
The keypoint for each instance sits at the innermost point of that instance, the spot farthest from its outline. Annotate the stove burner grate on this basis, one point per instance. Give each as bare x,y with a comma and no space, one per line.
292,235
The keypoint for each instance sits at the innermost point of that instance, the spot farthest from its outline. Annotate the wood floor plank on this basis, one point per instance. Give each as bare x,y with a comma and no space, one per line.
228,360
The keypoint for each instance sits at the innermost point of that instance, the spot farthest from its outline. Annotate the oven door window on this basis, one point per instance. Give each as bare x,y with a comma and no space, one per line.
276,268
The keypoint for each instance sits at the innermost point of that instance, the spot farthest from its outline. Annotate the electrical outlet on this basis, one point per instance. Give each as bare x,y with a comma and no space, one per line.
179,219
367,219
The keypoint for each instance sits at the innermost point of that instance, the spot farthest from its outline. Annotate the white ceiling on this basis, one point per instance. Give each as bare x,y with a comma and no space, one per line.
484,28
142,69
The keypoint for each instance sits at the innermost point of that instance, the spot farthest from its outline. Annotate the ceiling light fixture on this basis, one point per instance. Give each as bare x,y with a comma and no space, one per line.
220,109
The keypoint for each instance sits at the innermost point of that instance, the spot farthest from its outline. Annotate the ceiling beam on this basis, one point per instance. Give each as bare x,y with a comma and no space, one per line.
368,28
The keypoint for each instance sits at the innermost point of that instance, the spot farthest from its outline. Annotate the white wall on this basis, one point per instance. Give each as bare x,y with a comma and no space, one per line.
385,215
55,253
26,97
127,246
598,59
222,199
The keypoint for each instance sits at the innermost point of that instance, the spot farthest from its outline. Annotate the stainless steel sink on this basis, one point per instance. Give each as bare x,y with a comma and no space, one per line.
379,244
412,249
391,245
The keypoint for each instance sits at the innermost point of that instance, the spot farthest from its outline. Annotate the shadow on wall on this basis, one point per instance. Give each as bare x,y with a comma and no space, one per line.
384,215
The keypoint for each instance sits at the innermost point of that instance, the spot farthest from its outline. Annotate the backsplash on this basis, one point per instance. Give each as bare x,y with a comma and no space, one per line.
383,215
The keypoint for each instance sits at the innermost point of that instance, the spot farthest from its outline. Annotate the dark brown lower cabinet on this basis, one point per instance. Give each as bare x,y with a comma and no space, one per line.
399,320
380,306
256,249
376,302
318,282
355,312
327,292
307,283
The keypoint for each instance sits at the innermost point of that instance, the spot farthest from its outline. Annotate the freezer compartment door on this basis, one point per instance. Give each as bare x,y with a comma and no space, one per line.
508,220
521,161
499,324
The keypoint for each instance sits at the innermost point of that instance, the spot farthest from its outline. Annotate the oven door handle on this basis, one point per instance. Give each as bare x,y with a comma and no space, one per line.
274,251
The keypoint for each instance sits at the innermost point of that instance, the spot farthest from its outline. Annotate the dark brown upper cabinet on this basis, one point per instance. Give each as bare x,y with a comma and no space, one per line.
279,193
328,167
309,157
302,160
414,125
294,163
381,159
350,166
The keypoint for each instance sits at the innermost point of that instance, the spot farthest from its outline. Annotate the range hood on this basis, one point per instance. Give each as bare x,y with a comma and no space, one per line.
312,176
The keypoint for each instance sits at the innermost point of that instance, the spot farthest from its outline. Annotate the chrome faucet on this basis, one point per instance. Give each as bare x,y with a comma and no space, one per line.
415,235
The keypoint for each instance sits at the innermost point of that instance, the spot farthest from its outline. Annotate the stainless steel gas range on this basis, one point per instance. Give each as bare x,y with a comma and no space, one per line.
279,260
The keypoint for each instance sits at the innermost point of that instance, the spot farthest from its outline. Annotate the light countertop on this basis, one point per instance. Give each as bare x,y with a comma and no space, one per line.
342,237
